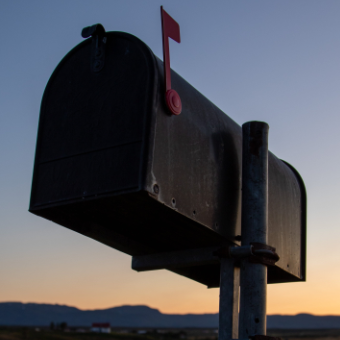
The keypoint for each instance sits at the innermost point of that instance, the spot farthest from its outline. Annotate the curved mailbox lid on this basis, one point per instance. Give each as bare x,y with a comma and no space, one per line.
106,141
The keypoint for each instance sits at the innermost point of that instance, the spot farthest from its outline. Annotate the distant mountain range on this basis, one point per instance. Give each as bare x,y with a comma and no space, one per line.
33,314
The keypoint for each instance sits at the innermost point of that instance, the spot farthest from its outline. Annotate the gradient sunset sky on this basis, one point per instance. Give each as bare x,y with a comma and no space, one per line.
275,61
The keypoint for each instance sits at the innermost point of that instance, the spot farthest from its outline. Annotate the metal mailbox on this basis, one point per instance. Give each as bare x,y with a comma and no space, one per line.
113,164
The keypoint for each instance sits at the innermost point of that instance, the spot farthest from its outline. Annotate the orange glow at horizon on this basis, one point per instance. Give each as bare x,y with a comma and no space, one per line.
107,281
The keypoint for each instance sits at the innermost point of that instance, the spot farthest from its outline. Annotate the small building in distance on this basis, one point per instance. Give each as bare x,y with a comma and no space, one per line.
101,327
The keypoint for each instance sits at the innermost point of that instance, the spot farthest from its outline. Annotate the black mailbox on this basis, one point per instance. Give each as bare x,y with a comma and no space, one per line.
113,164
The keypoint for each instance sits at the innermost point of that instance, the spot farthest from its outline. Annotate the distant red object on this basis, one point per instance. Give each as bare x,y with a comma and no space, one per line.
170,29
101,325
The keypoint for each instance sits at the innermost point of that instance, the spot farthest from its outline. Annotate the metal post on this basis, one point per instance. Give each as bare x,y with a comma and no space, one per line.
229,300
254,227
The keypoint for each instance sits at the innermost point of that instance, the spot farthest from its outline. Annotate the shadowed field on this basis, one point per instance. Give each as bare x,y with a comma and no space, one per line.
307,334
19,333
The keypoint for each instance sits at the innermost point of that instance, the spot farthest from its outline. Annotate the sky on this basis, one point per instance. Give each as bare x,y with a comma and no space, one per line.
274,61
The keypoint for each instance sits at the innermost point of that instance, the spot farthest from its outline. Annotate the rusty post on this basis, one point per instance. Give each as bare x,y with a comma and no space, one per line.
254,227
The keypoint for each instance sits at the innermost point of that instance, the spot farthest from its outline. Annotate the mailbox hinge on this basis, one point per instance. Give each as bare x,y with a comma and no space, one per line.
98,45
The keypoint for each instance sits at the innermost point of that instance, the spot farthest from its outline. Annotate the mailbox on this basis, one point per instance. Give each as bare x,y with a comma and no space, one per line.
114,164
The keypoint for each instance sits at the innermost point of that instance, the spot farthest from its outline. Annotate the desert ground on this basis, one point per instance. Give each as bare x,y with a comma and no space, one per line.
38,333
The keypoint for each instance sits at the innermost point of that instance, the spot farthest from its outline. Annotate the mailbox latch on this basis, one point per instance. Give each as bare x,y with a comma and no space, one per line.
98,45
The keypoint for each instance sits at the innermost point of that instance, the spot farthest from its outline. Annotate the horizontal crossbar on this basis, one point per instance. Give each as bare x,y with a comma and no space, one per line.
176,259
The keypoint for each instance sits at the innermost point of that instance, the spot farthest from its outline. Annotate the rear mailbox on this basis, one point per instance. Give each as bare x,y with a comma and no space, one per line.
113,164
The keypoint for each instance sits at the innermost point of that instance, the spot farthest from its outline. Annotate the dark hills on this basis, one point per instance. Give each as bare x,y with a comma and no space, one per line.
32,314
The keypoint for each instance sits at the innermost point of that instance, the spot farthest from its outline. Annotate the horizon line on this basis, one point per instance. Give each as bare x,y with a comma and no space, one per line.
138,305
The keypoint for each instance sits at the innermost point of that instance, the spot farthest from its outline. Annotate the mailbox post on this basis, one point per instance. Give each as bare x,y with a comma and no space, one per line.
254,227
254,255
228,322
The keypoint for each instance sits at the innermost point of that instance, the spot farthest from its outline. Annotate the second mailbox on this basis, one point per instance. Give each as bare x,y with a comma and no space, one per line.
113,164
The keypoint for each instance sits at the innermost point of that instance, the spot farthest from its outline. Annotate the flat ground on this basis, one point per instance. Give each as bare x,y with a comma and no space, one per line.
31,333
307,334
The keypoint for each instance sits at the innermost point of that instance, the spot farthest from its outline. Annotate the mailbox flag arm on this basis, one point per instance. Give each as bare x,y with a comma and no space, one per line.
170,29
